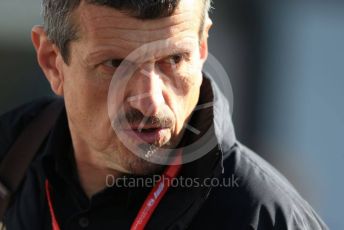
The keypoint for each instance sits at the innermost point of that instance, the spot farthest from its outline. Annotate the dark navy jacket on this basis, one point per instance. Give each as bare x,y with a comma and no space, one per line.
258,198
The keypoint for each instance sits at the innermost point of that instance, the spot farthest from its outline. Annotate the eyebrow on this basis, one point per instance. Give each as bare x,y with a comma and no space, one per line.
95,56
174,51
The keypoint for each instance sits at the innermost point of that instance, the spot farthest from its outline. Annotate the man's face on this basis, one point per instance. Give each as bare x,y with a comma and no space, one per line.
151,105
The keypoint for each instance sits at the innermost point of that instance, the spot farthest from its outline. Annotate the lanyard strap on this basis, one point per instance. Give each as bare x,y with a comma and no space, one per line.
156,194
148,207
54,223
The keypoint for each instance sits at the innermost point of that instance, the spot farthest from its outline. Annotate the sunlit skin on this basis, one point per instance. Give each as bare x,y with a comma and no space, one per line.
106,36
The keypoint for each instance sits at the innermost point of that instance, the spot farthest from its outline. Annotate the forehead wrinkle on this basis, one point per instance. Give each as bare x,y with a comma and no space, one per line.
131,45
142,28
140,37
131,23
141,34
92,17
135,38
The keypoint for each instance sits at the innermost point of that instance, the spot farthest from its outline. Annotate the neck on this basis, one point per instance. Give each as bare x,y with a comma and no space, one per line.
92,174
92,167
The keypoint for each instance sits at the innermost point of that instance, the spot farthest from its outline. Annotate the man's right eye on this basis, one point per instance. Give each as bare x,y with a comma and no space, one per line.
113,63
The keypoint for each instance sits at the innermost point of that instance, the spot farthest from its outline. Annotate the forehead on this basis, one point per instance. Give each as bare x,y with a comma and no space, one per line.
103,26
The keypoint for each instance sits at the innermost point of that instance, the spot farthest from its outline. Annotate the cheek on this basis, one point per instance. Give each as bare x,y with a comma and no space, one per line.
190,84
86,103
85,88
185,103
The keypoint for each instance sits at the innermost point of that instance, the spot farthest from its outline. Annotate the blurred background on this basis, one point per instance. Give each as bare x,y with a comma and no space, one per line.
285,60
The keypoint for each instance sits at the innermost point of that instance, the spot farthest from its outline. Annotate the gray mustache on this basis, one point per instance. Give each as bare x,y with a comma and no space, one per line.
135,118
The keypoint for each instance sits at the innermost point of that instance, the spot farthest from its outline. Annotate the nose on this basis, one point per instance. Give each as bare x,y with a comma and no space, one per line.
146,94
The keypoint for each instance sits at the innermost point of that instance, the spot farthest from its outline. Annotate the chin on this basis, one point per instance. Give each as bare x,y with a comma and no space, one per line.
136,163
143,167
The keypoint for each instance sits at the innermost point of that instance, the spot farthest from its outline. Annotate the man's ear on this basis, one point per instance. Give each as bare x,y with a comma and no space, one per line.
49,59
204,40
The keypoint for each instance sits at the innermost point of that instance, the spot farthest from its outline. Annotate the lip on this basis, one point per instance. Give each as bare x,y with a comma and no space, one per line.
135,127
150,136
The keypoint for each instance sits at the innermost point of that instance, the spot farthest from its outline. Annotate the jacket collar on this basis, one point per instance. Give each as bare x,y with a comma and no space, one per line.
223,125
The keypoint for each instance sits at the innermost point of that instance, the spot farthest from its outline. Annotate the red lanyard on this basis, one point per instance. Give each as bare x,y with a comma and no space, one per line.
54,223
148,207
156,194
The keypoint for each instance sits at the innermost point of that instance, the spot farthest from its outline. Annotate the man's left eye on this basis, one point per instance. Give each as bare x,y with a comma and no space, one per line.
113,63
176,58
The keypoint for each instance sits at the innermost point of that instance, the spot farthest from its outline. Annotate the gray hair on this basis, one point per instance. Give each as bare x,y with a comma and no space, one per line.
57,16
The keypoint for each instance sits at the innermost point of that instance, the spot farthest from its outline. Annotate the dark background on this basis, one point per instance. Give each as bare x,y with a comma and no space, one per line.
285,60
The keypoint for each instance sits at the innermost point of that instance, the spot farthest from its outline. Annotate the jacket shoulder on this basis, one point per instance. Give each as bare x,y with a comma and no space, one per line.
260,198
274,199
13,122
